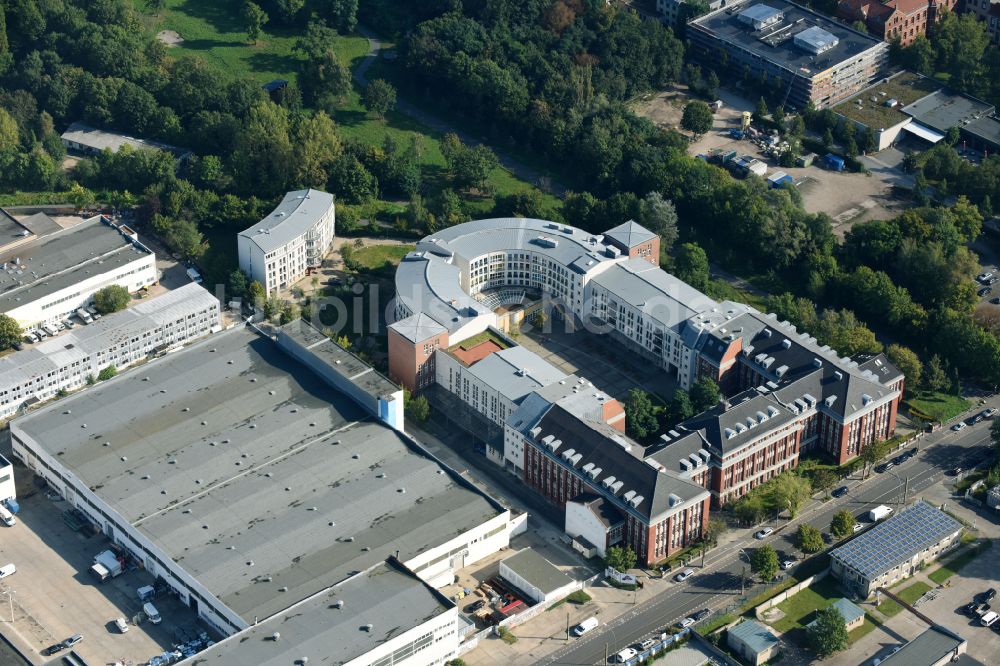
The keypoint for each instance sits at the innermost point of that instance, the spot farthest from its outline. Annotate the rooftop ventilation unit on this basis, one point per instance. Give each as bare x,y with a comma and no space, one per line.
817,363
673,500
617,486
636,501
865,399
628,496
830,400
809,400
608,482
772,411
781,371
730,433
786,343
685,465
568,454
838,375
594,473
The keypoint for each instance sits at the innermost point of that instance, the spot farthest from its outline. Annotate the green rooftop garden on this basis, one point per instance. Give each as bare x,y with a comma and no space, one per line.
905,88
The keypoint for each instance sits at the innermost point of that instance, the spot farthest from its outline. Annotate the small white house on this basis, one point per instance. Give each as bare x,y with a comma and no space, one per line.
536,577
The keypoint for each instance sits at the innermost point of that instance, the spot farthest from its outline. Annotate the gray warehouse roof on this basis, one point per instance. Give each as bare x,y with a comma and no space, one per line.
944,109
896,540
515,372
98,139
62,259
386,596
297,213
220,453
537,570
776,42
927,649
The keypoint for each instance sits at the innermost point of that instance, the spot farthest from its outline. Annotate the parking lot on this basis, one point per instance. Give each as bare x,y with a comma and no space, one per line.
53,595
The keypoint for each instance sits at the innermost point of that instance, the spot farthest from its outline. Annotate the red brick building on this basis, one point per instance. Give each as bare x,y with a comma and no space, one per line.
893,19
658,513
633,239
412,343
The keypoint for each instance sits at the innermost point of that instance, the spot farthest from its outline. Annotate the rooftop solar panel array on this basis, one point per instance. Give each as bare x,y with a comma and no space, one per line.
896,540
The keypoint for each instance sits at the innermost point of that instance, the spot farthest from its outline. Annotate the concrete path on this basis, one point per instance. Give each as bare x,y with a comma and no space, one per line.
526,173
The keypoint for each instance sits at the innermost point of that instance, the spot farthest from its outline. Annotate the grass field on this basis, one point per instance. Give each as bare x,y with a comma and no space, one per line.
376,257
801,608
908,594
954,565
937,406
214,30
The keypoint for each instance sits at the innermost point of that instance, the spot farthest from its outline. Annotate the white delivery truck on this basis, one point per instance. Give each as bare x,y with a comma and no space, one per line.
879,512
585,626
107,565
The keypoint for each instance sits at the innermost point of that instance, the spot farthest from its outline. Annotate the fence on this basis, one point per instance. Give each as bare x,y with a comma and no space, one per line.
781,596
663,642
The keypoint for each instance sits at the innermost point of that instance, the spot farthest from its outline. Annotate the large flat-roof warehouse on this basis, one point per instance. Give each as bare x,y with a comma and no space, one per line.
812,56
244,480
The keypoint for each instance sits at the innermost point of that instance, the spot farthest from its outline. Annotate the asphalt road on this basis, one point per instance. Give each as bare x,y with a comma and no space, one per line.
718,584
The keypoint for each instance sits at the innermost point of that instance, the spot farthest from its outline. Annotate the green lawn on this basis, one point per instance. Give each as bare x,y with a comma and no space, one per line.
937,406
375,257
800,607
908,594
214,30
954,565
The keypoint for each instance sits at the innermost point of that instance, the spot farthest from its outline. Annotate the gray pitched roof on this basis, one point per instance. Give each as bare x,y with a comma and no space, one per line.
741,419
99,139
629,234
929,648
532,567
643,489
515,372
848,609
754,635
417,328
602,510
296,214
896,539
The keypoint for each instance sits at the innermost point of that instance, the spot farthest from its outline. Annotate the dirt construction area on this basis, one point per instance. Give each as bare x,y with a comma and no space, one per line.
847,198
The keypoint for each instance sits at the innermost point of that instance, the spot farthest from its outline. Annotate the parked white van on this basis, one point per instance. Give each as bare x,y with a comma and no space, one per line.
585,626
624,656
989,618
6,517
151,612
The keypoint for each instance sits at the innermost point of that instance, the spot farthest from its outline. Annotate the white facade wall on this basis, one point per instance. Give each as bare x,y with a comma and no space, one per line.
534,593
437,566
485,399
7,490
72,370
513,449
61,304
280,267
432,643
581,522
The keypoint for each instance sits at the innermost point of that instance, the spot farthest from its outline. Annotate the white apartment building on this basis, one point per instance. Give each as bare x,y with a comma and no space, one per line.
48,277
290,241
120,339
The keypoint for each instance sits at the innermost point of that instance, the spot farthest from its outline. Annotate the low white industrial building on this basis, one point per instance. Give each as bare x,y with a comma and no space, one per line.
536,577
237,475
290,241
91,141
46,276
120,339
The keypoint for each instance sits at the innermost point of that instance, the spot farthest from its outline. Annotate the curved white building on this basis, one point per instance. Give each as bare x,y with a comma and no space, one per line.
454,282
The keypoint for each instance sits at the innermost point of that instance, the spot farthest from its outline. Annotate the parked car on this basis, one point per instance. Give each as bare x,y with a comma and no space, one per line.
122,625
989,619
989,412
858,527
72,640
684,575
623,656
840,492
7,570
898,460
988,595
685,623
788,564
53,649
995,300
475,606
958,426
884,467
702,614
969,609
955,471
763,534
585,626
972,420
984,291
984,277
645,645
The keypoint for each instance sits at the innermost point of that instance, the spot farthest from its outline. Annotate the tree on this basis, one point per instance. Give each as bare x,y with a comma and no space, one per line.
417,408
691,265
317,147
473,167
872,453
808,539
697,117
760,111
908,363
342,13
764,562
620,559
680,408
156,6
660,216
256,293
704,394
80,196
995,434
10,332
935,378
254,19
842,524
828,634
640,419
9,133
111,299
379,97
716,528
824,479
107,373
788,491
